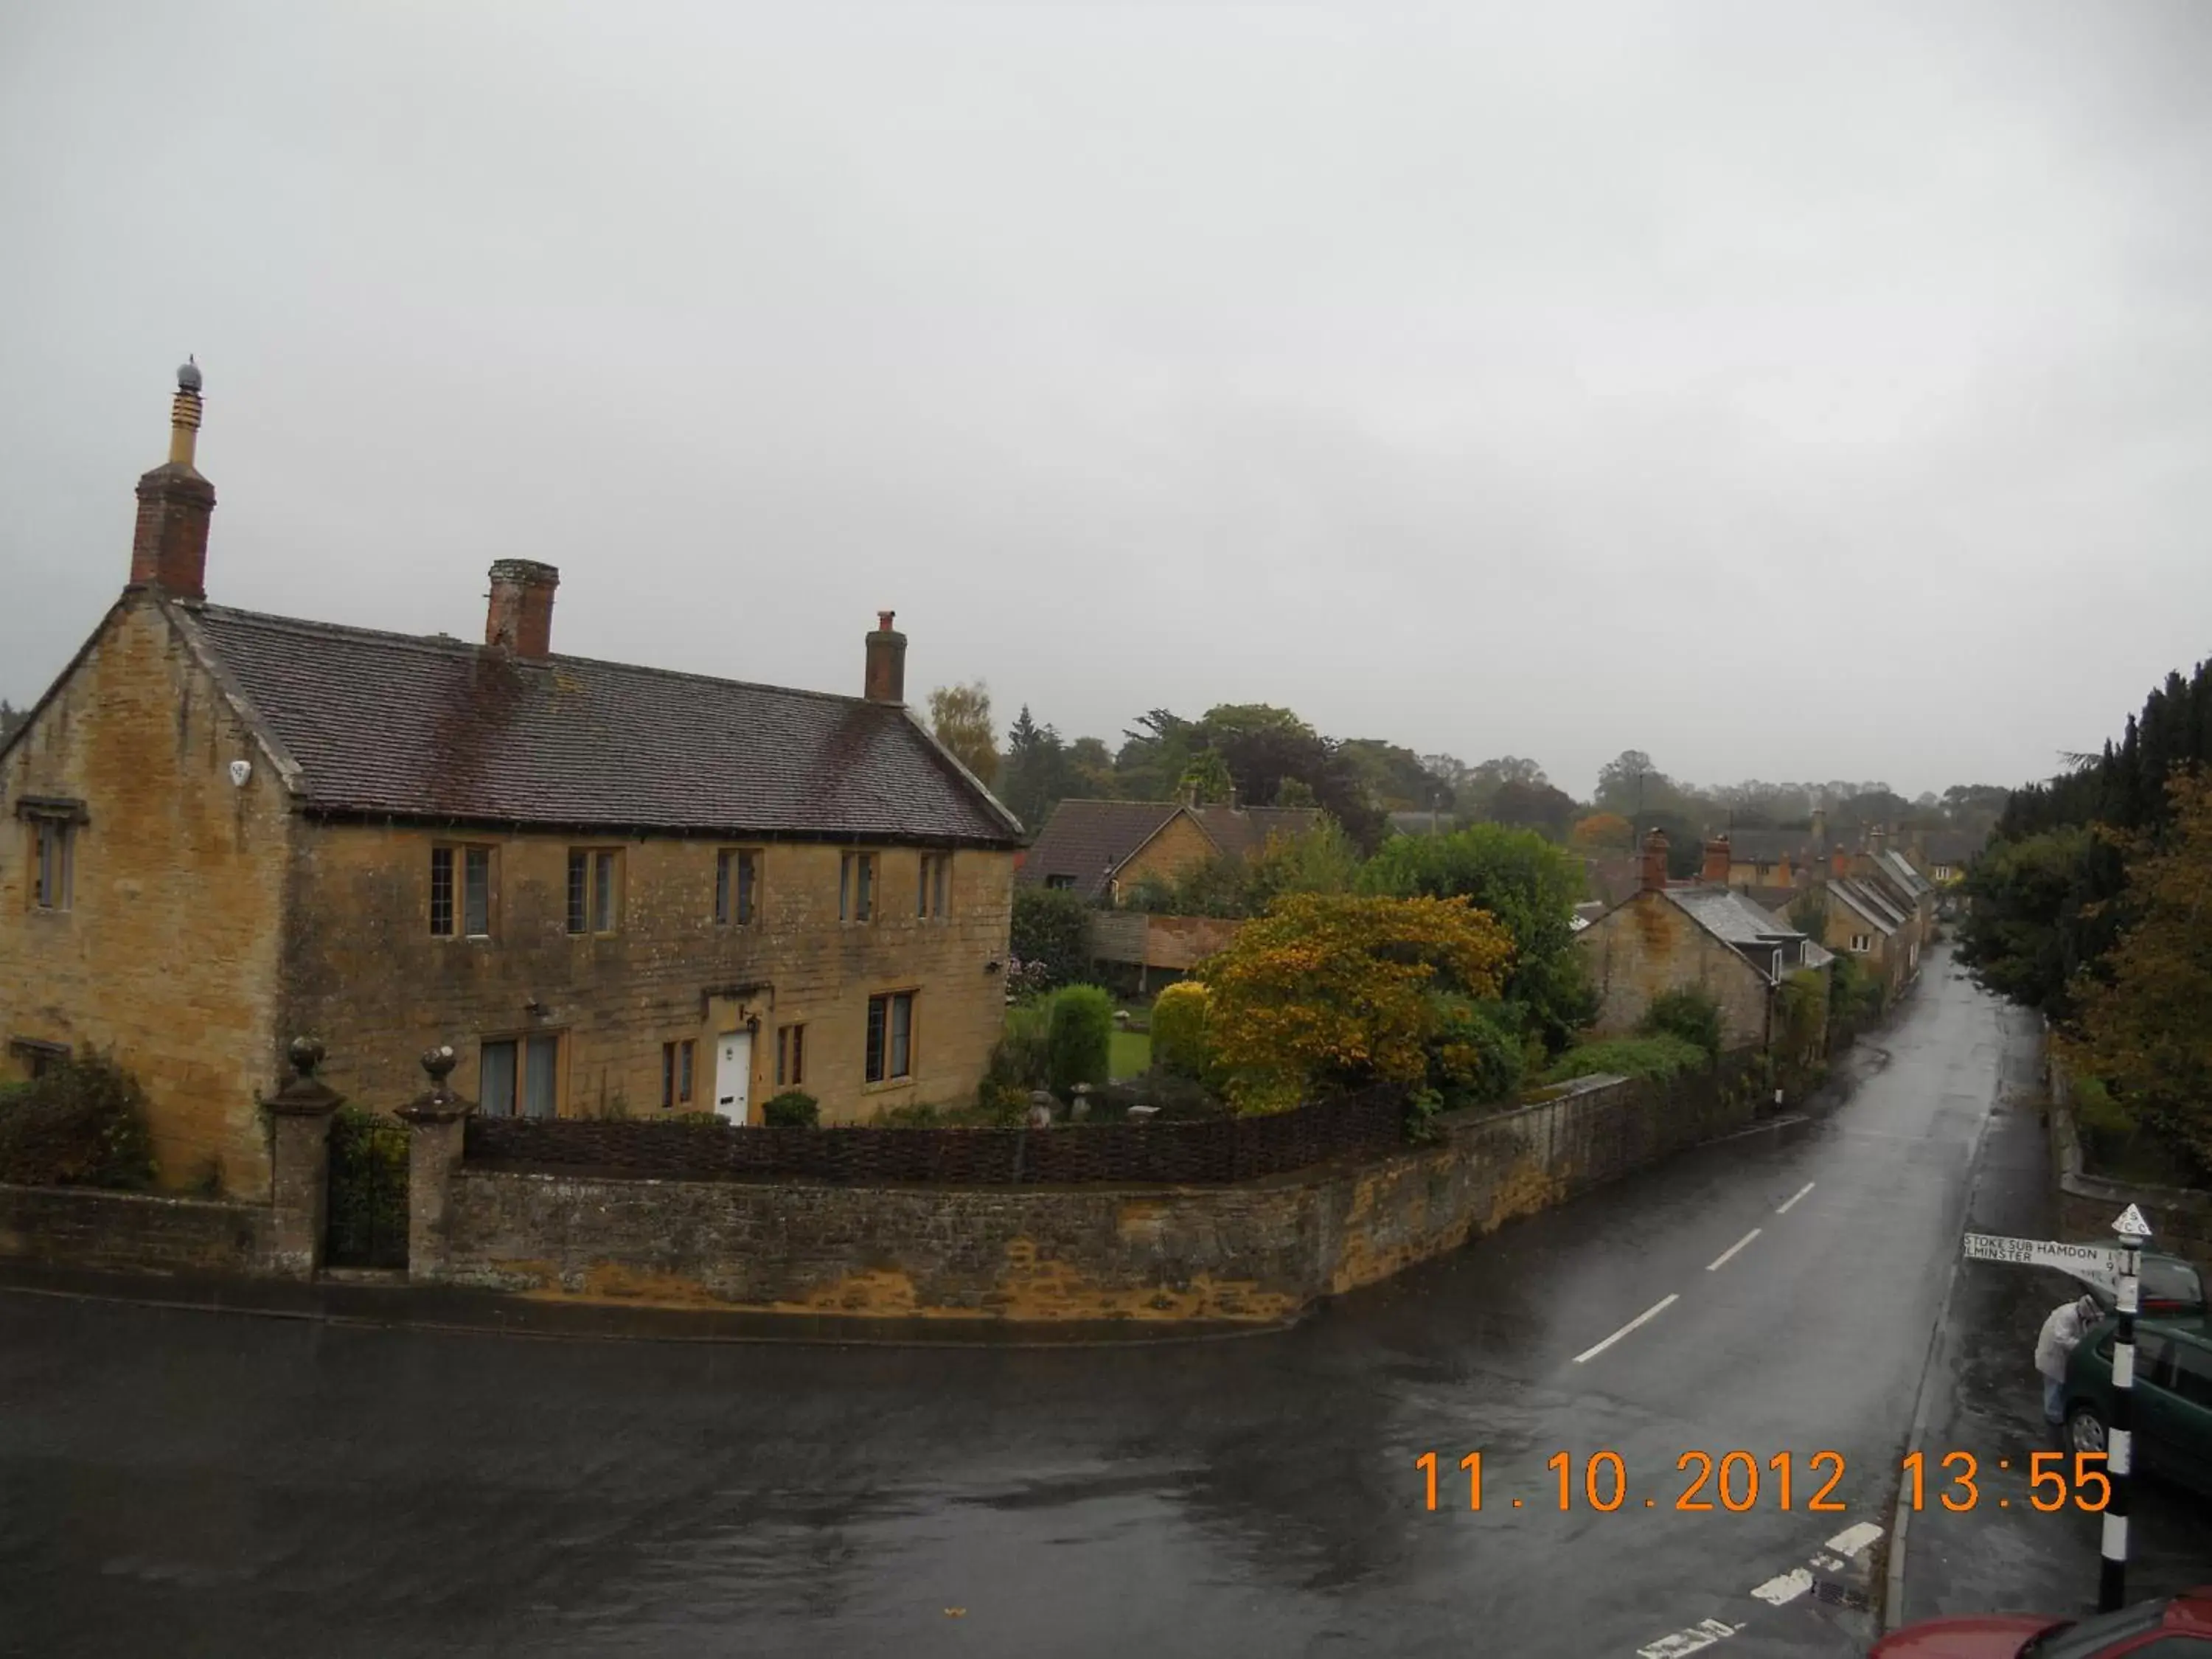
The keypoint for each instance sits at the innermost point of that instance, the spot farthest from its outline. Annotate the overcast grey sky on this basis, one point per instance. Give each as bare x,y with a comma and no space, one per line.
1789,390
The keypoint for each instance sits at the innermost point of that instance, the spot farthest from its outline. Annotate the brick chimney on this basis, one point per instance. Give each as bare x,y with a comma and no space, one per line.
519,621
885,680
168,547
1654,861
1716,873
1839,862
1876,837
1820,833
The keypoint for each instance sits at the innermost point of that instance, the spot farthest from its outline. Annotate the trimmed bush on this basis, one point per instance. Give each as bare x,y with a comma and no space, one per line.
1653,1059
1079,1036
83,1124
1179,1045
1686,1012
794,1109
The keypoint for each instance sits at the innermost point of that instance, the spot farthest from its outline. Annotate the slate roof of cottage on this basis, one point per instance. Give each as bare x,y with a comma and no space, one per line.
1088,839
1900,868
1729,917
1734,919
1868,904
393,724
1952,846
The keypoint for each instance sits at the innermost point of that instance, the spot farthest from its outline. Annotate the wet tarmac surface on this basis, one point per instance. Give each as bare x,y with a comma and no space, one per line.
175,1482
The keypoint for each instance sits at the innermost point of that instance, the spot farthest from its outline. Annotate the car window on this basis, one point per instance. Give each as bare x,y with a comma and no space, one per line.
2166,1279
2153,1358
2192,1373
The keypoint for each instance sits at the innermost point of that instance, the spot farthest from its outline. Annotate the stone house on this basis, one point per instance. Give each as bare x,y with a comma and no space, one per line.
1102,849
1883,868
1702,934
1862,922
613,889
1771,858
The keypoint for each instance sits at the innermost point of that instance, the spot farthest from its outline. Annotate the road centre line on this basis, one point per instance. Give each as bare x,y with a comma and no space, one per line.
1649,1314
1721,1260
1785,1207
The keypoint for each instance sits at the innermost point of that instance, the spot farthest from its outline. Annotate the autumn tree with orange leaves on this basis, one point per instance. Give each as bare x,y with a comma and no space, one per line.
1329,992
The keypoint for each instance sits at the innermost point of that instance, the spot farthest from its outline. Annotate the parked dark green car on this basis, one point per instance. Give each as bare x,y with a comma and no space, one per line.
2172,1397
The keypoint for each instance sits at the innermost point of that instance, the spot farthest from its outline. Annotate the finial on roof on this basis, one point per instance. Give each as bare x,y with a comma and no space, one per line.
188,376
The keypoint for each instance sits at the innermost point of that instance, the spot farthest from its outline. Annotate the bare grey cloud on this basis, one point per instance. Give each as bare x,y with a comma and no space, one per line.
1784,390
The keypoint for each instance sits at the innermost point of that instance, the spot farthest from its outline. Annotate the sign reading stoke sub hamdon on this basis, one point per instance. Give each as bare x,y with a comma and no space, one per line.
2083,1261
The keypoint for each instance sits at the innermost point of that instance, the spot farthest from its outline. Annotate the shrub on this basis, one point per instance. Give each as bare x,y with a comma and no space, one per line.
1478,1052
1179,1044
1685,1012
82,1124
1052,934
1079,1036
794,1109
1022,1059
1653,1059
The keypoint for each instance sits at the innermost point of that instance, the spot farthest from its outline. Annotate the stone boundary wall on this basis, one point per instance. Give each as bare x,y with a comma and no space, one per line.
85,1227
1262,1251
2180,1216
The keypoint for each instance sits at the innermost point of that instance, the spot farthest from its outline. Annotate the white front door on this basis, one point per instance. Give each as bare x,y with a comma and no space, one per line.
733,1075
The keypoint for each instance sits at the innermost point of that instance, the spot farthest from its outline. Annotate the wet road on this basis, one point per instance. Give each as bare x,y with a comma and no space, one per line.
183,1483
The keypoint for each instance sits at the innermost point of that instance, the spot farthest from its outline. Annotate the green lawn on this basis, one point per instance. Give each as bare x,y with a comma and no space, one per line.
1131,1054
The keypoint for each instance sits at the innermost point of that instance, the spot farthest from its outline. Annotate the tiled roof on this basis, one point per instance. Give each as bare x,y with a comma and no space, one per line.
1244,831
1086,839
1089,839
1770,846
390,724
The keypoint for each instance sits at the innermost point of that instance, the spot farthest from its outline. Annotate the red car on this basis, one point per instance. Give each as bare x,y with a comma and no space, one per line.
2177,1627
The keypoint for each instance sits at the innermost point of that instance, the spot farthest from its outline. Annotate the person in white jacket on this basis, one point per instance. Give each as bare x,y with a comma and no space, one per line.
2054,1345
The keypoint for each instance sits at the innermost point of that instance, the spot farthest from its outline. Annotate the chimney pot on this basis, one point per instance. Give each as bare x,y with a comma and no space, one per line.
518,618
884,678
1654,861
168,545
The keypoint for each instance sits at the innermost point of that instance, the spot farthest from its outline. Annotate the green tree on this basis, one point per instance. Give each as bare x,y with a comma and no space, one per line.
1205,780
960,715
1687,1012
2141,1018
1035,775
10,718
1529,885
1052,927
2035,915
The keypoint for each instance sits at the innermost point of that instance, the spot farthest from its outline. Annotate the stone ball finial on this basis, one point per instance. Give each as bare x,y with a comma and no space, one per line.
439,1062
306,1053
188,376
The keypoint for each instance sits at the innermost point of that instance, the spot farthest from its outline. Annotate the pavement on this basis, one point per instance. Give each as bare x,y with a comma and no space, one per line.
1983,1398
178,1482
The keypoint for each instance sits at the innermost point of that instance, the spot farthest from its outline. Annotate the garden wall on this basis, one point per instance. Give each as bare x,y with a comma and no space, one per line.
2180,1216
82,1227
1260,1250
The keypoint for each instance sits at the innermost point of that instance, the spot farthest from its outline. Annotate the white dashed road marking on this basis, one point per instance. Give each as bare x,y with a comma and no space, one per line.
1786,1587
1853,1540
1649,1314
1687,1641
1778,1591
1721,1260
1786,1208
